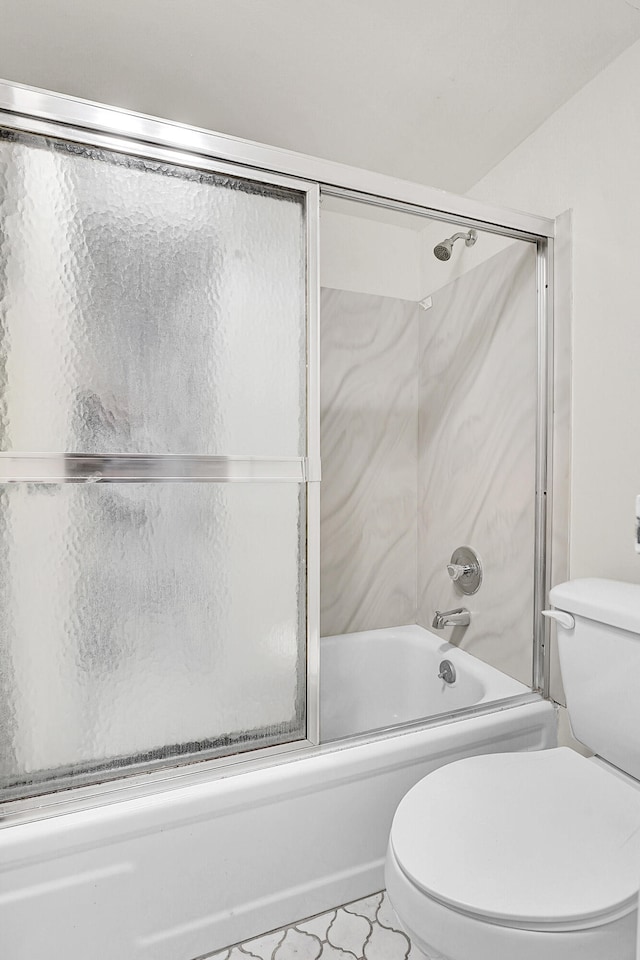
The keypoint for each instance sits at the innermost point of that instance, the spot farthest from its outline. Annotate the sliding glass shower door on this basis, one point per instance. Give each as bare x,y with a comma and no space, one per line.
154,465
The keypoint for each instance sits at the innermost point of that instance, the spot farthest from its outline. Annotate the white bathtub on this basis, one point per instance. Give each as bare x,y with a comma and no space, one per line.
377,678
193,868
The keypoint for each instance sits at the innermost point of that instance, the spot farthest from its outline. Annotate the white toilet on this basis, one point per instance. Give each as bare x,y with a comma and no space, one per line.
536,856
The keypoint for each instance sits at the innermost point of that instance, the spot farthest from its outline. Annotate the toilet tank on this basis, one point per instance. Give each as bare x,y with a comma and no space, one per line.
600,664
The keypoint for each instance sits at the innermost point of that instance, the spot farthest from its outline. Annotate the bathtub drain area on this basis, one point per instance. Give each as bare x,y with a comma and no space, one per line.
366,929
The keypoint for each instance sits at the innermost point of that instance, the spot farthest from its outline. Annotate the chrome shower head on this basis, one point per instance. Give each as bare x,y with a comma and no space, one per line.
444,249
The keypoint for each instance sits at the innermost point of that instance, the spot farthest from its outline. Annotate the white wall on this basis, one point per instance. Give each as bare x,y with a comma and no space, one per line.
367,256
586,157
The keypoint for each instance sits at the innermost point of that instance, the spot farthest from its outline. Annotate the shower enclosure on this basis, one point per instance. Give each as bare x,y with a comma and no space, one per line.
160,441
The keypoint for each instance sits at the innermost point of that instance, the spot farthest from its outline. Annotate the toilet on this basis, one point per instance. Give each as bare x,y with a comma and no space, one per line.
536,856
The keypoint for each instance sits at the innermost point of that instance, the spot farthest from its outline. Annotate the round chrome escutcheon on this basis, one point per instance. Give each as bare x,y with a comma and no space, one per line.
465,569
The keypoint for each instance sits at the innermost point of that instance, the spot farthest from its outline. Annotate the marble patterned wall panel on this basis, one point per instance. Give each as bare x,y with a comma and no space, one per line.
477,438
369,435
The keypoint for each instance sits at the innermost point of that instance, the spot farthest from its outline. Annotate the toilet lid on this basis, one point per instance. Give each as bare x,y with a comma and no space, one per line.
536,840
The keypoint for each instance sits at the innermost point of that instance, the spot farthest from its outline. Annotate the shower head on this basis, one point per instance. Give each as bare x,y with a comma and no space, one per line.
444,249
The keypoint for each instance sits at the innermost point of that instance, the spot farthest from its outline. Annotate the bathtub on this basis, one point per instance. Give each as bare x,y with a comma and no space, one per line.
207,862
378,678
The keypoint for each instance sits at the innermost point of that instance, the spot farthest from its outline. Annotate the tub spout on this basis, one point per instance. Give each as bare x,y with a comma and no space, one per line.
451,618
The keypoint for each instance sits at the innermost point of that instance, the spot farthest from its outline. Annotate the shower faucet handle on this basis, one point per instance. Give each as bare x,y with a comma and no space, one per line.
457,570
465,569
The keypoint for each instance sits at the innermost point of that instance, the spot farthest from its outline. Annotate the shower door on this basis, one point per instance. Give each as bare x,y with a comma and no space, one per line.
157,424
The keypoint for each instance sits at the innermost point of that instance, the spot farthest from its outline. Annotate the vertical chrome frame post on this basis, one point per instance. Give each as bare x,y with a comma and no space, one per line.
544,466
314,465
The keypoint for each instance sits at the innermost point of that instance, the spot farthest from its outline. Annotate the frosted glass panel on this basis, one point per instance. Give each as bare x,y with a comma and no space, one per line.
147,307
146,621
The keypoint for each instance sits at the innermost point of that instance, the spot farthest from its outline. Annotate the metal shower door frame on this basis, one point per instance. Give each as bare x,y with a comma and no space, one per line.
41,112
540,232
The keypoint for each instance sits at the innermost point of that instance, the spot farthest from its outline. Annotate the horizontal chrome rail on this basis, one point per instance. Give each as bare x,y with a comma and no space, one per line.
31,102
517,232
134,784
146,468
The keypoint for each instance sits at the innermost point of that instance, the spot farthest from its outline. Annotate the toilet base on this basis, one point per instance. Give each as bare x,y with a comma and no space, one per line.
442,933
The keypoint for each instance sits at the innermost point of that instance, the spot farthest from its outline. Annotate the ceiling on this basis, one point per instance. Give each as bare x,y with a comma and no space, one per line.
432,91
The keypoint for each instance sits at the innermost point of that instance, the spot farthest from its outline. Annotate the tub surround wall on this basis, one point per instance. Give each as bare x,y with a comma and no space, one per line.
369,442
477,440
428,442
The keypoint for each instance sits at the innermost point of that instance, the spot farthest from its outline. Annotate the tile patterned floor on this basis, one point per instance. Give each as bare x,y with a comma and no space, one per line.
366,929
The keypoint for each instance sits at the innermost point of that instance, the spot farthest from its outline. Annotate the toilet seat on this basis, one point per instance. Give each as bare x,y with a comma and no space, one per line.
442,933
545,841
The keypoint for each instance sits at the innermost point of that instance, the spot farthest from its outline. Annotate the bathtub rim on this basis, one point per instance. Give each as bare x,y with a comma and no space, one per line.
170,779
